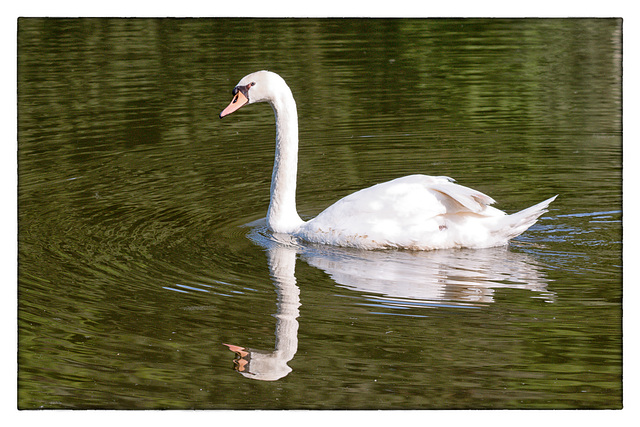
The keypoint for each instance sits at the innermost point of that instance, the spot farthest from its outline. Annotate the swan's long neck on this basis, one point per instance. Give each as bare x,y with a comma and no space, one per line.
282,216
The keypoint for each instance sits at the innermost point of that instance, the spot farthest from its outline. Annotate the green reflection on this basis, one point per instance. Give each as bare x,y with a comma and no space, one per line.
128,186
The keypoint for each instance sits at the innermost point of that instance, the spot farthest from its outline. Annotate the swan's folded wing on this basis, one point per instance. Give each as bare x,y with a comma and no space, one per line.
413,198
453,197
459,198
416,211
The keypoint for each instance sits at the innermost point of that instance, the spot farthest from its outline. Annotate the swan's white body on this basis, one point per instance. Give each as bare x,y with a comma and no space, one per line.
414,212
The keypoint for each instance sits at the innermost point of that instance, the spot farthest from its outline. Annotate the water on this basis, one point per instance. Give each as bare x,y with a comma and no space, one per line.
141,250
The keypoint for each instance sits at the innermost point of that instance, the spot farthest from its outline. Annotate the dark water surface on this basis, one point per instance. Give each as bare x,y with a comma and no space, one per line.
136,263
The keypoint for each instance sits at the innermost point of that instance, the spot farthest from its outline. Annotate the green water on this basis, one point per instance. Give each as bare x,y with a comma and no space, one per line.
136,264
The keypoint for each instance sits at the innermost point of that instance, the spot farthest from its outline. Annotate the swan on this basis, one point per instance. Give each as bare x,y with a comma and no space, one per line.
416,212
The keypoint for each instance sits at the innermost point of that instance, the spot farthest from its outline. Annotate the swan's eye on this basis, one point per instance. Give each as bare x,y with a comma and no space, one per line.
250,85
241,89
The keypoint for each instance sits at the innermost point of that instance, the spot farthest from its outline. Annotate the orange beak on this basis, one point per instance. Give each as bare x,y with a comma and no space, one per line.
240,352
238,101
236,349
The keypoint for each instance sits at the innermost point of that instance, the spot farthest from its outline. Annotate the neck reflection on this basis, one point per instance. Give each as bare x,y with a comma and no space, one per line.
271,366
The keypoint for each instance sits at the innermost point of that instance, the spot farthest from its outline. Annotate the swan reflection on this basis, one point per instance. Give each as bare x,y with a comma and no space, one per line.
445,278
271,366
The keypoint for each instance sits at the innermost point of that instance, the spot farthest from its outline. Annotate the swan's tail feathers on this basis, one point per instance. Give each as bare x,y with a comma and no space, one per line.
519,222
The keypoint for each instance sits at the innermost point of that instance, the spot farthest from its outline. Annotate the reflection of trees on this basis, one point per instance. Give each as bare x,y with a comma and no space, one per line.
120,151
529,70
105,86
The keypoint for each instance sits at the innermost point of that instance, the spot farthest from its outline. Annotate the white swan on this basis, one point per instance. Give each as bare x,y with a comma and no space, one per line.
414,212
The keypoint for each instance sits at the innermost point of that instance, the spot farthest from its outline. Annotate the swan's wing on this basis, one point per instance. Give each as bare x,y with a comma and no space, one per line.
399,212
459,198
415,195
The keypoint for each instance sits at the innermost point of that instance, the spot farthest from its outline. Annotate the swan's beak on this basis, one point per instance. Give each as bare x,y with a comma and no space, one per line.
236,349
238,101
240,360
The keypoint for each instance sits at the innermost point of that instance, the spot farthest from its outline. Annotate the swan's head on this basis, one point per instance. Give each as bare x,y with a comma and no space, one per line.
261,86
263,366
